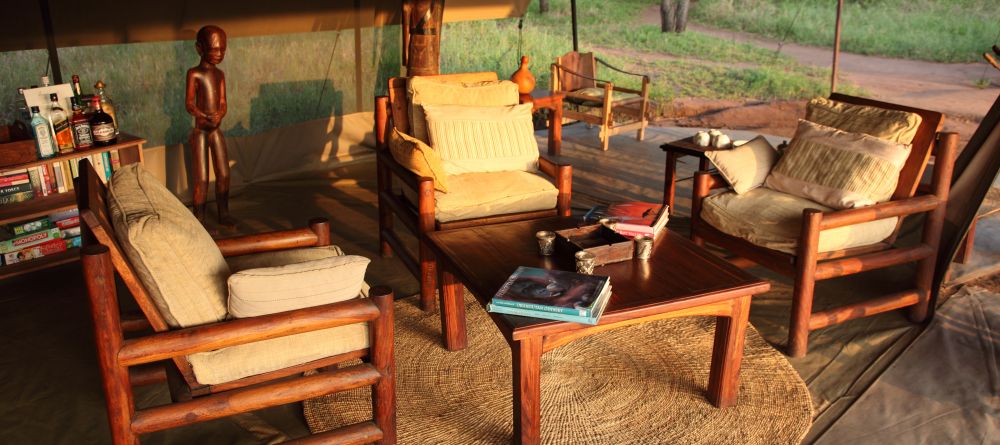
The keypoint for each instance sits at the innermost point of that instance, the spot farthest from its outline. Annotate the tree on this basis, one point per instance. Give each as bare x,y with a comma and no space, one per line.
674,15
543,6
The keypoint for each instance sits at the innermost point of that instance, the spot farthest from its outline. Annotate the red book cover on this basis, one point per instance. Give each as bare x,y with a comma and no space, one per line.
631,218
36,251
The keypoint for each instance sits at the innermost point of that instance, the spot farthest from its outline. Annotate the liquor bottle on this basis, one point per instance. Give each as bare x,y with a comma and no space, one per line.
44,142
60,125
76,86
82,135
45,81
106,104
102,126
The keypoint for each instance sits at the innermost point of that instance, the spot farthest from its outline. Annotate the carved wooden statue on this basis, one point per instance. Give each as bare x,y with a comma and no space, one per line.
205,99
422,36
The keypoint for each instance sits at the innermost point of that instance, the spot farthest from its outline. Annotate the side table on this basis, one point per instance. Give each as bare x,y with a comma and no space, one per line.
675,150
553,101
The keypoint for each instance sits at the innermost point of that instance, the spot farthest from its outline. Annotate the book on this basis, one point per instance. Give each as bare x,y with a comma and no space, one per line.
598,310
28,240
17,197
30,226
59,178
72,242
36,251
21,187
551,291
108,170
631,218
14,178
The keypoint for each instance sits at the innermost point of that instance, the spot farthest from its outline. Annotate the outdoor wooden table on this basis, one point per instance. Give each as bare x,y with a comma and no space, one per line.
553,101
676,149
681,279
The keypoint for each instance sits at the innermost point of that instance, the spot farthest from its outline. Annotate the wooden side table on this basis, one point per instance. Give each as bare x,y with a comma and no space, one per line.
675,150
552,101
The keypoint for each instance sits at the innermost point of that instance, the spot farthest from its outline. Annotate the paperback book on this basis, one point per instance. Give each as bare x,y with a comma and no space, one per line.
548,293
631,218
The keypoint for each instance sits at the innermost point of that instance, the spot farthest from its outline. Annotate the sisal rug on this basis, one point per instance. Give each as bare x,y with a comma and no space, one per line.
641,384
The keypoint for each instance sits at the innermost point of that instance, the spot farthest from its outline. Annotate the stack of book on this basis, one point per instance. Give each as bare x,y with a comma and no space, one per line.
36,238
15,186
553,295
631,218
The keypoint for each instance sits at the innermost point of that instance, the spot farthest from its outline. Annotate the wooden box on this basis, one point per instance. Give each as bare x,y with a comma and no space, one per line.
607,245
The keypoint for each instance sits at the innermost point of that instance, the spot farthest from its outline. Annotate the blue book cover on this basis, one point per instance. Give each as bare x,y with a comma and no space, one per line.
601,303
553,291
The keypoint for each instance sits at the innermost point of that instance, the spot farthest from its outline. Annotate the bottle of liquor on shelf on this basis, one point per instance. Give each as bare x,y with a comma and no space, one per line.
82,135
76,86
106,104
60,125
102,126
44,142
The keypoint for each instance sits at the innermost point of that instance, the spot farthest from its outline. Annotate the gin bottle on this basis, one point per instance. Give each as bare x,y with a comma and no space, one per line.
44,142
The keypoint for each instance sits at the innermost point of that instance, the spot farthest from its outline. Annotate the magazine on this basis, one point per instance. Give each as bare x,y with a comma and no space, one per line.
631,218
596,311
554,291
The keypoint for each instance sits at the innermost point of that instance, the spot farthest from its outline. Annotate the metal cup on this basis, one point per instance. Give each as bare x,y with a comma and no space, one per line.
585,262
643,247
546,242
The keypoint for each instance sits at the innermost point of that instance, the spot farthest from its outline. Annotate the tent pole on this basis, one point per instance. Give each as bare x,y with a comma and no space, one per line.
50,42
572,5
836,48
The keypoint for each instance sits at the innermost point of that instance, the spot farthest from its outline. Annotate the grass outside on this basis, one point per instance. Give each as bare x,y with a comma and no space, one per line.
935,30
680,65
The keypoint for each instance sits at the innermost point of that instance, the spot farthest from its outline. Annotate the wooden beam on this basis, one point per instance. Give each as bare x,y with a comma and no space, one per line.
871,261
886,303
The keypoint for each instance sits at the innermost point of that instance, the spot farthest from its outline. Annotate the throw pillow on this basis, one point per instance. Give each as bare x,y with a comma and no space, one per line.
270,290
838,169
418,157
891,125
430,91
746,166
483,139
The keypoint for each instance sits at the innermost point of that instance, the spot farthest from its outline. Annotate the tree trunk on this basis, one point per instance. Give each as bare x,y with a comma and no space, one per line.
666,15
681,17
543,6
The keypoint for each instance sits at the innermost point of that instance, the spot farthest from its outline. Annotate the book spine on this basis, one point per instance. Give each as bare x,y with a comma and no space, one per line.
106,158
73,221
67,176
15,179
36,181
7,190
536,314
58,176
29,240
26,227
16,198
74,171
630,232
541,307
50,179
116,161
36,251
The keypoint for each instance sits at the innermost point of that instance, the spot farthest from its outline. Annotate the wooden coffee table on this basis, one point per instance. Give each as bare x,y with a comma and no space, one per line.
681,279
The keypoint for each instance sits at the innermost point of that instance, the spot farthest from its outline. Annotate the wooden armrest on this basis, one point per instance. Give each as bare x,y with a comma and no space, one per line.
706,181
901,207
317,234
563,176
214,336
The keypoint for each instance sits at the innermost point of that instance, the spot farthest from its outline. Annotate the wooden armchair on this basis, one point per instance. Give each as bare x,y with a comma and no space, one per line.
575,74
418,213
807,264
139,360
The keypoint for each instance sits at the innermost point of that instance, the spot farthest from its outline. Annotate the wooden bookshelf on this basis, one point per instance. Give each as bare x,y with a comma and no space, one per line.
129,148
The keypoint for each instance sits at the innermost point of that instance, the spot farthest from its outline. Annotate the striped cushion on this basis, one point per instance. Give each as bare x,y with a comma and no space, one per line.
891,125
483,139
432,91
838,169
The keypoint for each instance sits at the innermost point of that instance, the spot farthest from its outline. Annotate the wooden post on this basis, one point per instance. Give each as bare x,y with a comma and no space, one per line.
422,21
805,283
572,8
836,48
382,344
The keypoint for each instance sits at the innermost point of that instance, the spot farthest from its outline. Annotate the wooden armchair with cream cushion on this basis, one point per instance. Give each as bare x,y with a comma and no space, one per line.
833,204
458,150
234,322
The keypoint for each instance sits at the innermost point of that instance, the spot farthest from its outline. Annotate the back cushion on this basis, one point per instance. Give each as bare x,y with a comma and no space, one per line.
891,125
483,139
838,169
430,91
174,257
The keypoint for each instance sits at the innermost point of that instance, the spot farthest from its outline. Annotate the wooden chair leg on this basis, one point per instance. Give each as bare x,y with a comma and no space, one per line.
382,358
385,218
805,284
428,277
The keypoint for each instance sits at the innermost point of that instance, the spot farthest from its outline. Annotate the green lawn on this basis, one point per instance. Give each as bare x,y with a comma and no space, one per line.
936,30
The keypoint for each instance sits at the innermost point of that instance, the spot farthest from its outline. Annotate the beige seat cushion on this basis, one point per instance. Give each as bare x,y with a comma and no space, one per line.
598,95
745,167
477,195
483,139
269,290
838,169
241,361
174,257
891,125
773,219
418,157
431,91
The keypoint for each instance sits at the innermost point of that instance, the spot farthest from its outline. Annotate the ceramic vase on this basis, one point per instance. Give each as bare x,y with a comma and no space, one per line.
523,78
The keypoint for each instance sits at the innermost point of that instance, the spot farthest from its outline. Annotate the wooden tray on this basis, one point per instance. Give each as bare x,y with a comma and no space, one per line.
607,245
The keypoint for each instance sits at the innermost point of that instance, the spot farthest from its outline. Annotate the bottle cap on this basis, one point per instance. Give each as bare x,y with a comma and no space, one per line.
76,78
99,84
45,80
34,109
53,97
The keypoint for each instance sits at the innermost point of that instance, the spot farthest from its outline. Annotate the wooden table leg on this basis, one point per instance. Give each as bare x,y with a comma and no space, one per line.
452,311
670,181
703,164
555,129
527,360
727,353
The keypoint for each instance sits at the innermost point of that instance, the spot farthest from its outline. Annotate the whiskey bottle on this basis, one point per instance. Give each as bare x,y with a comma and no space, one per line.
82,135
60,125
102,126
106,103
43,135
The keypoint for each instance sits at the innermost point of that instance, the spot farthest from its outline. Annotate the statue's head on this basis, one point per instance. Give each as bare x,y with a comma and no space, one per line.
211,44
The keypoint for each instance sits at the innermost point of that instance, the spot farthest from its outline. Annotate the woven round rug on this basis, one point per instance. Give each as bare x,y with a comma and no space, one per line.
643,384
